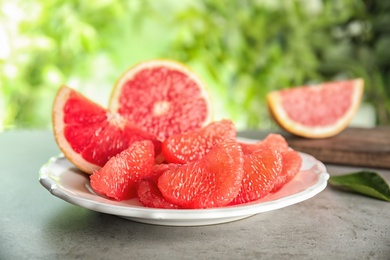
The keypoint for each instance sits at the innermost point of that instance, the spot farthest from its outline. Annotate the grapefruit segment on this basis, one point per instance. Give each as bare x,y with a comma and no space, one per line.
261,168
119,177
318,111
150,196
163,97
291,164
192,146
87,134
274,141
212,181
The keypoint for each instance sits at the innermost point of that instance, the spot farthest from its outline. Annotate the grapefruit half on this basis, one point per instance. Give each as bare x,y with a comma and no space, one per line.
318,111
163,97
87,134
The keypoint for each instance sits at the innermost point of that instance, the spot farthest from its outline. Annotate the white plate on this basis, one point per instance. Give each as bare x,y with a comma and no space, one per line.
64,181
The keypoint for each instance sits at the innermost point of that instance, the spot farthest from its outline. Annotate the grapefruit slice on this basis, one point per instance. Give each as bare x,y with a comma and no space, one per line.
318,111
87,134
163,97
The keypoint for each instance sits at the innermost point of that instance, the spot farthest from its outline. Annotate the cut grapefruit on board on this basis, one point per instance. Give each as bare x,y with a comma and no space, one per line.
163,97
87,134
318,111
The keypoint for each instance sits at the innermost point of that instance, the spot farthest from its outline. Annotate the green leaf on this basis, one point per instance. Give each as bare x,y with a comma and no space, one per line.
365,182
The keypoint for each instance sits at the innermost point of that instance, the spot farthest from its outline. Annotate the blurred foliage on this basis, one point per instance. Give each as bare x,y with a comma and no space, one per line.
82,44
242,49
252,47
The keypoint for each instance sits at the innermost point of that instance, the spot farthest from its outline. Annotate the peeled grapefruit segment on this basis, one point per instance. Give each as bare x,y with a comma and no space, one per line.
150,196
212,181
89,135
291,165
261,168
274,141
119,177
192,146
316,111
163,97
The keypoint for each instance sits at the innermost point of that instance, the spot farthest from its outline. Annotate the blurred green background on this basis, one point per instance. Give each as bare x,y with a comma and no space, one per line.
241,49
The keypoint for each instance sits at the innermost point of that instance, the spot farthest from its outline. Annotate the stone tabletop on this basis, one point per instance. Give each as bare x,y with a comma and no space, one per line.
36,225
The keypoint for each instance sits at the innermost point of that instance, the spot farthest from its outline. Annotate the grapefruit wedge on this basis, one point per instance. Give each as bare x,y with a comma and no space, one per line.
318,111
87,134
163,97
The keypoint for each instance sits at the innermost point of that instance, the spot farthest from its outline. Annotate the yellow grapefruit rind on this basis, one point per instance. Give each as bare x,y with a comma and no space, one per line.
274,102
130,72
58,129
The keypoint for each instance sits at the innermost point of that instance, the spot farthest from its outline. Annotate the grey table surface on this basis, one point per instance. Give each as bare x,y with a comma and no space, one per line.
36,225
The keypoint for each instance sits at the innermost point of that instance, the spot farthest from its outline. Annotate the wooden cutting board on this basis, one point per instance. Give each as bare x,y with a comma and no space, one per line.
367,147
